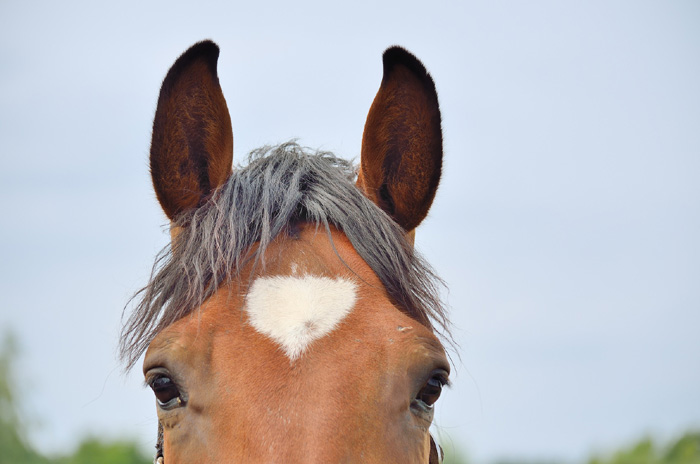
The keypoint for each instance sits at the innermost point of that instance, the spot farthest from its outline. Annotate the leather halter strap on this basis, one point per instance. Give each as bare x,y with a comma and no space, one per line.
159,458
436,454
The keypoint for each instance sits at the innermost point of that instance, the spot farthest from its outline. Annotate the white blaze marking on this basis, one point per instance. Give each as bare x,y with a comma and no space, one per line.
295,311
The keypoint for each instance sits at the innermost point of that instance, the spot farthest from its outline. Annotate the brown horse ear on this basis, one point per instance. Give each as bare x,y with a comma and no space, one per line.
192,144
402,141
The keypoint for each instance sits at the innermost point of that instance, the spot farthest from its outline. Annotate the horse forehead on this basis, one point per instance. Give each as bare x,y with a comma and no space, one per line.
303,289
309,288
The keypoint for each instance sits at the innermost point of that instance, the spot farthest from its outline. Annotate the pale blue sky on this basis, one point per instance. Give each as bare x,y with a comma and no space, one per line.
566,226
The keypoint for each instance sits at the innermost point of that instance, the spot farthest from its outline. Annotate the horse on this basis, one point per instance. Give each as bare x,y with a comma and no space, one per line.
290,319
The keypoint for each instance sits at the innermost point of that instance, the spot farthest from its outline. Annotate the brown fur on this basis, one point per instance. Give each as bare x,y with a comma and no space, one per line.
402,142
192,144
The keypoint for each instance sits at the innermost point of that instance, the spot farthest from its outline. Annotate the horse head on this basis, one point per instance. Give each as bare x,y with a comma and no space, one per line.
290,319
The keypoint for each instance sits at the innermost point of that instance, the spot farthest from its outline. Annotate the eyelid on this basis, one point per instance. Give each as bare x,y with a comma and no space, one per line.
172,404
153,373
443,375
446,382
435,357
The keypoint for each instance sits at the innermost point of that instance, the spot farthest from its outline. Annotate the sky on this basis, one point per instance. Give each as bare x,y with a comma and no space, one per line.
566,225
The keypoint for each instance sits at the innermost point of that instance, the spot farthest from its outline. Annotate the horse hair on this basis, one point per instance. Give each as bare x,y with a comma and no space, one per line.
281,186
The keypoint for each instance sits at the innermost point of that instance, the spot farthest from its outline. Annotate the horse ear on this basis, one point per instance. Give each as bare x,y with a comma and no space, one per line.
192,144
401,157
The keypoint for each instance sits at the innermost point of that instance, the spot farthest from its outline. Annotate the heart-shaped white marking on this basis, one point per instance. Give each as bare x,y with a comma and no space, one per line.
295,311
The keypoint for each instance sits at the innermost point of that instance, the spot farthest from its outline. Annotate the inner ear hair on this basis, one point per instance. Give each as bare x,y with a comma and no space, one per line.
192,142
401,160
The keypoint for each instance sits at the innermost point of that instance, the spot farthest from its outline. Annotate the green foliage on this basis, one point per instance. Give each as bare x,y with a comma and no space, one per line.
453,456
13,442
16,449
685,450
93,451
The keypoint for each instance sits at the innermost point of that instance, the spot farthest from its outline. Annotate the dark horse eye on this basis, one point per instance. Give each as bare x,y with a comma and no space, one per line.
430,392
167,393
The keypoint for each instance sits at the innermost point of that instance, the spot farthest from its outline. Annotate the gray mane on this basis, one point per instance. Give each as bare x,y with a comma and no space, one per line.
280,187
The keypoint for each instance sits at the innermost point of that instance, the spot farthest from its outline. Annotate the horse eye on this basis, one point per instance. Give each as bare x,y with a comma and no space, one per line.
430,393
166,392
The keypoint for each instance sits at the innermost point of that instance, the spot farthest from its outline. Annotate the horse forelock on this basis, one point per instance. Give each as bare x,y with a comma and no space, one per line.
280,187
